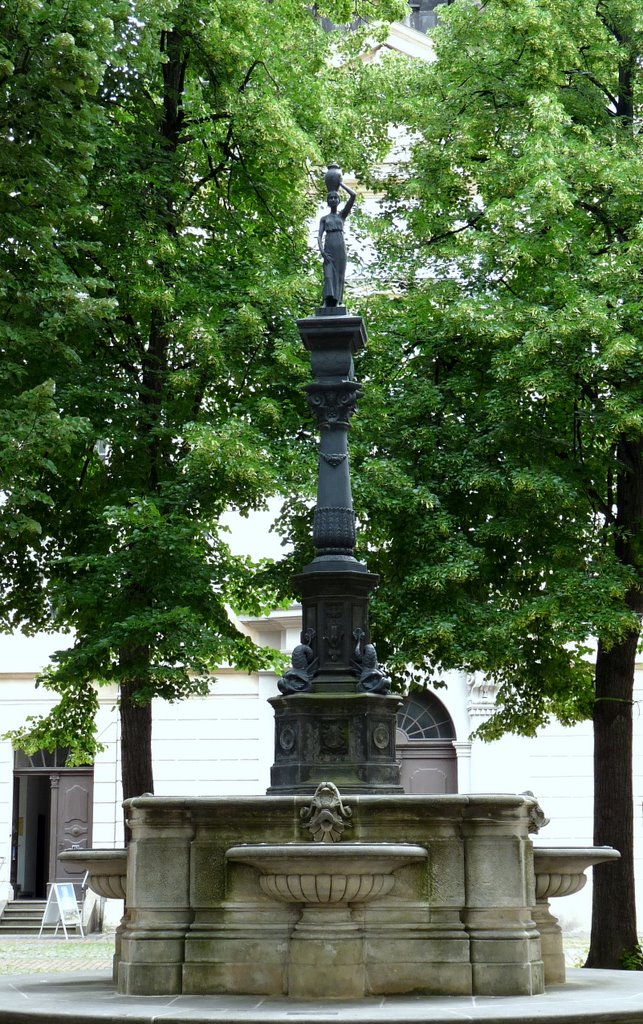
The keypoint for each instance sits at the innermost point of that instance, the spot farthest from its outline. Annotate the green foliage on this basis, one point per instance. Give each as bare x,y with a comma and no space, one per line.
156,181
71,723
497,451
632,959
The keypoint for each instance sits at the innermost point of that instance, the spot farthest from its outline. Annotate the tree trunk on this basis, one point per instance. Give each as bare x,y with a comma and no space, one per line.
614,905
136,718
136,745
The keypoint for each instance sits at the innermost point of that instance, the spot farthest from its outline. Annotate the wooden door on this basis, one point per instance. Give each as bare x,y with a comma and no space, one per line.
71,821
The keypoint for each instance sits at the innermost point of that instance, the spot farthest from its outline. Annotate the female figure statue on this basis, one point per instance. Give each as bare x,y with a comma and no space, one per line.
331,243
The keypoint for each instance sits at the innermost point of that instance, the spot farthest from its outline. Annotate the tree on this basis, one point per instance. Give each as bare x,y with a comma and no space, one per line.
498,453
160,277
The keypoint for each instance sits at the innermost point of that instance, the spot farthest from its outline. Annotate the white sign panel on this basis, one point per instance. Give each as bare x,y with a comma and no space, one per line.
61,908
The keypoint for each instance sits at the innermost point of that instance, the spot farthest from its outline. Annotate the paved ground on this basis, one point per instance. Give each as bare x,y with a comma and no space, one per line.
48,955
58,981
589,997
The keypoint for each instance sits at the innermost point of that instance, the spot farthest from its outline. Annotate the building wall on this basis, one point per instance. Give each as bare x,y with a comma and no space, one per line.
215,745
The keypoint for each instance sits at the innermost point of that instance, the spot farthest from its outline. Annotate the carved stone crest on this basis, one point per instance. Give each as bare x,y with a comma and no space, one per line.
537,819
481,697
327,817
333,736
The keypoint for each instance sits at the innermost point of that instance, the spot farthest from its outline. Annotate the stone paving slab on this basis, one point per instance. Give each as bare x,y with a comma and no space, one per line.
589,997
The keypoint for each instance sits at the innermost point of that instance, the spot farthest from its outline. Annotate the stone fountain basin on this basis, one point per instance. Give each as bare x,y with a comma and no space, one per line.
560,870
107,870
325,873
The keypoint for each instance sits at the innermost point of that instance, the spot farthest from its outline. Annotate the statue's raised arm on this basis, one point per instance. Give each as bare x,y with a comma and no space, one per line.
330,238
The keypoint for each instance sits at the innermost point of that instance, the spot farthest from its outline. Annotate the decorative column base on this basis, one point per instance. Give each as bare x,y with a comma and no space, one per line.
348,738
335,616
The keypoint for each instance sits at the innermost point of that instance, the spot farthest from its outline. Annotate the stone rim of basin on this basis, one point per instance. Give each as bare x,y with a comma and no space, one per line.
571,859
391,856
106,856
560,871
107,869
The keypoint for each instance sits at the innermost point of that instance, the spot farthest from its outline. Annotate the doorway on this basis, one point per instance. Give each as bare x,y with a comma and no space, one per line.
424,746
52,812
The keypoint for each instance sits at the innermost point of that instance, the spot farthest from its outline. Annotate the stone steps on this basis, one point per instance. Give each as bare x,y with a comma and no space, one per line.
24,917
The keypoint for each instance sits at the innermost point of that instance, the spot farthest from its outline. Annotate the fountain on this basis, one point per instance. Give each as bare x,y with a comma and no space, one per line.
335,885
209,911
342,876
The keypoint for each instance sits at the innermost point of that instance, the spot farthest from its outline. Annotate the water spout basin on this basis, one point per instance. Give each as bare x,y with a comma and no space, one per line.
560,870
107,870
327,873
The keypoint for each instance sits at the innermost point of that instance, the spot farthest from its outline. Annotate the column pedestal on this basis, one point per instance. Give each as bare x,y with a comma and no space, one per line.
335,721
346,738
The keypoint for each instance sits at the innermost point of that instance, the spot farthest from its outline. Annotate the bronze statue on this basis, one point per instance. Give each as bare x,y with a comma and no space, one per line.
298,678
364,664
331,237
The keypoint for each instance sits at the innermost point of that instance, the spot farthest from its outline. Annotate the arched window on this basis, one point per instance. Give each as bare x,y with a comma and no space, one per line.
424,717
41,759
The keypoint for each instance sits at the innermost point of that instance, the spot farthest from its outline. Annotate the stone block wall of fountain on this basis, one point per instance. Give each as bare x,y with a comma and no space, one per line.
345,878
453,916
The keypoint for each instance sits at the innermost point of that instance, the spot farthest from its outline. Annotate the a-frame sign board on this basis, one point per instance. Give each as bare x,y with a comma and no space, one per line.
62,908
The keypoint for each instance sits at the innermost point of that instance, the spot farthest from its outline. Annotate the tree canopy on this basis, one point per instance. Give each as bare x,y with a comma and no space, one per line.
498,450
156,175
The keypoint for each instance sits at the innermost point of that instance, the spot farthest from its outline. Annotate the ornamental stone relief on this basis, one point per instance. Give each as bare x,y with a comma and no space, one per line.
333,459
381,736
327,817
334,530
481,697
287,739
334,736
334,633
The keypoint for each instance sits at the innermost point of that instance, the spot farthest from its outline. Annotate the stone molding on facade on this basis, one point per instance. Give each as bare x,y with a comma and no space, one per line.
481,696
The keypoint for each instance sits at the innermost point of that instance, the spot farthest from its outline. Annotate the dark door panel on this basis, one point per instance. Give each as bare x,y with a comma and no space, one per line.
428,768
71,821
